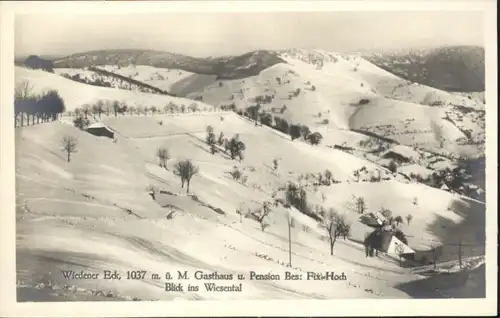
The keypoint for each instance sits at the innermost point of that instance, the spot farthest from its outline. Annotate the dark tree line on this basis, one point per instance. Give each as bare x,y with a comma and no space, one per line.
37,63
294,130
36,108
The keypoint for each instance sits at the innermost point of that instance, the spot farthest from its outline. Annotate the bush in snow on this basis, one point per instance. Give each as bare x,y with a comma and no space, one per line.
81,122
415,201
315,138
236,173
152,191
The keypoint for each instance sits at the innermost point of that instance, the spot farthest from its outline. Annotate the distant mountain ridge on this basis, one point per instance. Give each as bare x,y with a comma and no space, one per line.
450,68
232,67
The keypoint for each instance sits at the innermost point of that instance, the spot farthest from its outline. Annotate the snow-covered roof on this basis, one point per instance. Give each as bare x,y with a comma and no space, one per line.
404,151
97,125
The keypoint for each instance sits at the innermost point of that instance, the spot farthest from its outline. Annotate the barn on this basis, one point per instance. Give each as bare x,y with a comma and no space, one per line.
402,154
100,130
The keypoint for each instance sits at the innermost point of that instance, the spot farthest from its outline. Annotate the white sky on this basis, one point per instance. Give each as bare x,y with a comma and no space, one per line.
205,34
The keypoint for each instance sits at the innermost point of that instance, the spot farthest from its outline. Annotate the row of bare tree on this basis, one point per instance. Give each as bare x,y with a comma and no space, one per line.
37,108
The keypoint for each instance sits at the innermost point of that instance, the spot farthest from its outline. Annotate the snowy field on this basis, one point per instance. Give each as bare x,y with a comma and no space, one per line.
95,211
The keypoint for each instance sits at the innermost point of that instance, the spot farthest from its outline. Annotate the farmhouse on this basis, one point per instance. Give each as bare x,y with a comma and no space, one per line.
100,130
387,242
402,154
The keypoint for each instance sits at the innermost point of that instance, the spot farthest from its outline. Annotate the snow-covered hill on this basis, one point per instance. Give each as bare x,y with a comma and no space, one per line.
76,94
331,93
73,211
157,77
97,211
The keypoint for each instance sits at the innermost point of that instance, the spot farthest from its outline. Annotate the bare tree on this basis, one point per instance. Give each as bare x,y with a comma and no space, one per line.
185,169
98,108
328,177
69,144
335,226
240,212
116,107
86,110
398,219
220,141
163,154
409,217
360,205
23,90
263,215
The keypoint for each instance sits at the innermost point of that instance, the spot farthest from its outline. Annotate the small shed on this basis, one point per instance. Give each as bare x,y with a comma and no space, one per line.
100,130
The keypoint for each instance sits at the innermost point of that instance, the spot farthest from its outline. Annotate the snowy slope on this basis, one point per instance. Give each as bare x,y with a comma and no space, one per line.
77,94
326,90
158,77
72,216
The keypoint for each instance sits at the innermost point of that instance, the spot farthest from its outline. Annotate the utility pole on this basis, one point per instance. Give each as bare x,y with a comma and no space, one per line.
434,256
289,239
460,252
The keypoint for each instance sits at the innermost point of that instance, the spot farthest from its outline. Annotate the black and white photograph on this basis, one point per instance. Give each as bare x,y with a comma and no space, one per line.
239,155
